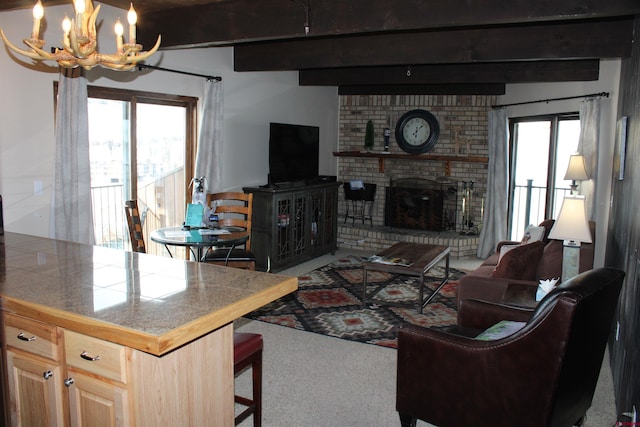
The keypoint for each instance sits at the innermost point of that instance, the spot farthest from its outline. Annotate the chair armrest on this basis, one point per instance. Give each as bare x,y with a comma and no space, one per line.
486,288
477,314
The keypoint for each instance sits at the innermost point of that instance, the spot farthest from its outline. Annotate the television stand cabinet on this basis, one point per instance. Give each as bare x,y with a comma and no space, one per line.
292,224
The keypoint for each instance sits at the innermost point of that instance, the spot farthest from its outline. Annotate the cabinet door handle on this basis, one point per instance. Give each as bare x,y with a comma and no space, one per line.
85,356
68,382
22,337
47,375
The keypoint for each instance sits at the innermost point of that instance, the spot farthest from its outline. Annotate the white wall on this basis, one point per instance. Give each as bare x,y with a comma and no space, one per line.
608,82
251,101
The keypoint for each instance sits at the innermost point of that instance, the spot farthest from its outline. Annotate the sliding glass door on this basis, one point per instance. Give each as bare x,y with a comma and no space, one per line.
142,148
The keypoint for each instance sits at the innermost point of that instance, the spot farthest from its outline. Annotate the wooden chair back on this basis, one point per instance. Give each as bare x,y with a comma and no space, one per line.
234,209
135,226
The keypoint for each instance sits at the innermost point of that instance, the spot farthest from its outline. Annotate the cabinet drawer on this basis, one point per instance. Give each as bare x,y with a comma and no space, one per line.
32,336
96,356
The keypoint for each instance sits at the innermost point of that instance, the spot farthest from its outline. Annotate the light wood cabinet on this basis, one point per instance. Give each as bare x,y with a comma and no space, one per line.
34,371
97,382
58,377
97,403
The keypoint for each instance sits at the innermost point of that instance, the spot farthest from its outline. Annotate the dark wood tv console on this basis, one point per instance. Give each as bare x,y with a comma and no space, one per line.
293,223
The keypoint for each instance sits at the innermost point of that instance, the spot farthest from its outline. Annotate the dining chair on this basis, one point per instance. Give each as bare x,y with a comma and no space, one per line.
247,351
234,209
135,226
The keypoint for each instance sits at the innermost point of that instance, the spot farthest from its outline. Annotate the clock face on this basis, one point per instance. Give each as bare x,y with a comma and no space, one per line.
417,131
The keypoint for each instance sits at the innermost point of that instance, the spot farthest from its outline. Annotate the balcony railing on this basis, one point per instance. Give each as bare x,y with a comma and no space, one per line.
160,203
109,223
528,206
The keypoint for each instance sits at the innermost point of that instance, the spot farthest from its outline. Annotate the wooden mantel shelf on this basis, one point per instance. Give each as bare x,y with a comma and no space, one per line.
381,156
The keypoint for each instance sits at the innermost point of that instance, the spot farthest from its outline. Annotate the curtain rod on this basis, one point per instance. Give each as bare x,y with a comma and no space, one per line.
217,78
605,94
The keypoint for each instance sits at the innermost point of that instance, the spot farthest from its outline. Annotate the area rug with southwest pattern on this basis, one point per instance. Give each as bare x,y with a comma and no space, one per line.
329,302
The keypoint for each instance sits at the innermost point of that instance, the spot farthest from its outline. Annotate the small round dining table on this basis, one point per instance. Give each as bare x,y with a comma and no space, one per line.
200,238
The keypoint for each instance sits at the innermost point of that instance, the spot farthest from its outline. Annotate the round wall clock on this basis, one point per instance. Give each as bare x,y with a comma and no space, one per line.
417,131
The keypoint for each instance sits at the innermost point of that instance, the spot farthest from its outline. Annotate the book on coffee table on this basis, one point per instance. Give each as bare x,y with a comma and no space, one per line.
390,260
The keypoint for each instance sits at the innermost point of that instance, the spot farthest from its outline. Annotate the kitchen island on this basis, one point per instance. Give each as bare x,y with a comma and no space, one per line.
120,338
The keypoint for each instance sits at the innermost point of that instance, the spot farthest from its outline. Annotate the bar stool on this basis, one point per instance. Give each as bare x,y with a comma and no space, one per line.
247,350
361,200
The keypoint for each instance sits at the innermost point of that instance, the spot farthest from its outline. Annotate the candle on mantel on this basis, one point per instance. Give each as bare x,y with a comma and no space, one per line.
119,29
132,17
38,13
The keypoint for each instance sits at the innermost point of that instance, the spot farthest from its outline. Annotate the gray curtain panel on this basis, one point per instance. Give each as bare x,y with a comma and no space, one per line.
588,145
209,152
494,227
71,210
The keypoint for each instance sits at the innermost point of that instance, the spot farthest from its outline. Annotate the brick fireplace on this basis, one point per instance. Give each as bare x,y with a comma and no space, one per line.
463,138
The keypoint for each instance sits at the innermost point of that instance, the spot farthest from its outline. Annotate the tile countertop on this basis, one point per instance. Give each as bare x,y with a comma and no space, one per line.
150,303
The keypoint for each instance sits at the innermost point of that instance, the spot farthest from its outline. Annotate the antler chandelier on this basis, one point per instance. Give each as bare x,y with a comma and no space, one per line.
80,44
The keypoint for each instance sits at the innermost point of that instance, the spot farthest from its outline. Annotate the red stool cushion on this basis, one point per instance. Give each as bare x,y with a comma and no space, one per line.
245,344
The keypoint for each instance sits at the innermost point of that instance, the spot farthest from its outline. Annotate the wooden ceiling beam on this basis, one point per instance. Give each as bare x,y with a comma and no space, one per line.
424,89
488,72
224,22
543,41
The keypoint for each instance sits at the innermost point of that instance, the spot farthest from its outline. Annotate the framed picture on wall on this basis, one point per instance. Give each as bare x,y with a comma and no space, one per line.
621,147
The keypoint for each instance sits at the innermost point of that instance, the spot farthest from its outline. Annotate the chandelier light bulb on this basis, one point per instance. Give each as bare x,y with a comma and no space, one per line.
80,6
66,25
119,31
66,29
132,16
38,10
38,13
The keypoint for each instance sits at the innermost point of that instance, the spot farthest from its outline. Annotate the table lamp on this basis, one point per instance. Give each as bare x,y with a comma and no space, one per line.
576,171
571,226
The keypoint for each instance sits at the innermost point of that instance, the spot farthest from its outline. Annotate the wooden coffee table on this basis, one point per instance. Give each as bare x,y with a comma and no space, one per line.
422,258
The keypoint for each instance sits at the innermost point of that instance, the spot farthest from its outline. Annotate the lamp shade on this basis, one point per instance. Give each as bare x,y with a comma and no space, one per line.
576,170
572,223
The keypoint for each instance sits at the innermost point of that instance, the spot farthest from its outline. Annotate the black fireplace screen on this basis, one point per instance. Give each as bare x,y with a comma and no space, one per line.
421,204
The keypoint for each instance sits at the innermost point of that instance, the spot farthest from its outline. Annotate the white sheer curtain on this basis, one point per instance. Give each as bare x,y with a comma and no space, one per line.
209,153
588,147
494,224
71,211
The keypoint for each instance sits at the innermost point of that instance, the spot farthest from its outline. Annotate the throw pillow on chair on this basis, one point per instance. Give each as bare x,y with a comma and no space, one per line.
520,262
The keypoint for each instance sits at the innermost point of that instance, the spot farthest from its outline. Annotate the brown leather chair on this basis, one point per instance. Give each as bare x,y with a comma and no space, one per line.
135,226
235,210
545,374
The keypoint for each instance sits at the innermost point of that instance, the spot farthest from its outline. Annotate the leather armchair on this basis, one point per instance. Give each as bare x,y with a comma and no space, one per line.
545,374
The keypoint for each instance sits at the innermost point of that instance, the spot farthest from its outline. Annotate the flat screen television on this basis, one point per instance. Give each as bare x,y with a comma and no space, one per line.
294,152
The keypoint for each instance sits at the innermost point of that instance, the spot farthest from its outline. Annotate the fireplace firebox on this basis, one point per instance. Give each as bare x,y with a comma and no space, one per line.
421,204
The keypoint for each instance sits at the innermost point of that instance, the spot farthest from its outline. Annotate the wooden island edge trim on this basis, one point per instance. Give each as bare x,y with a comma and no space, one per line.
156,345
